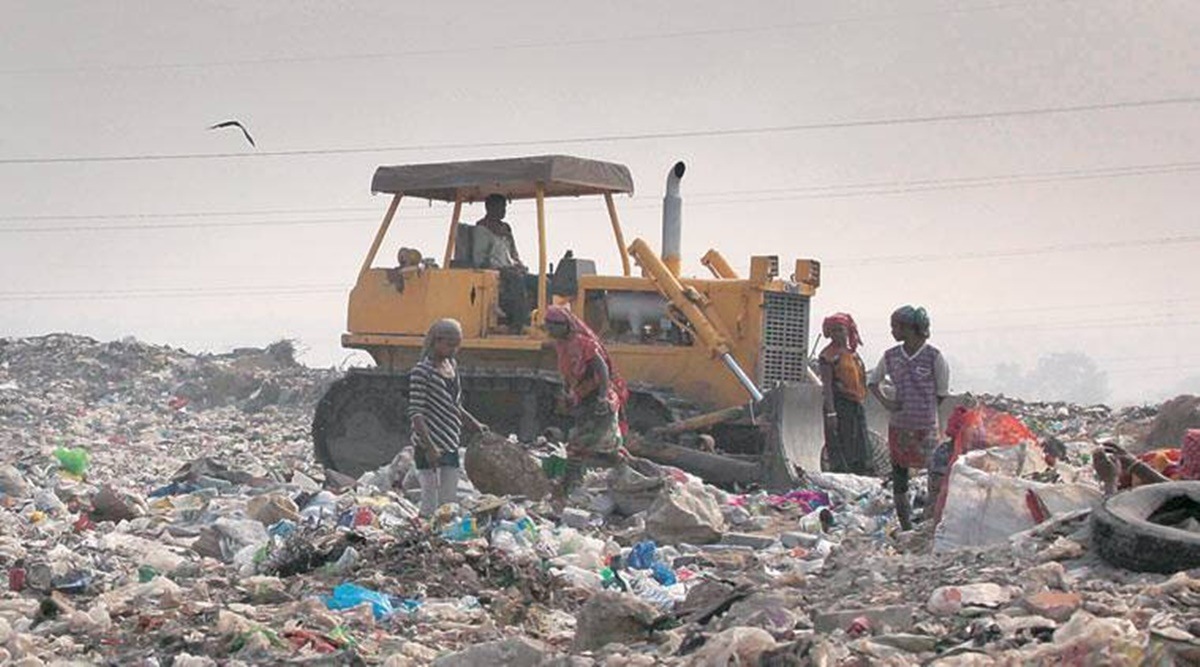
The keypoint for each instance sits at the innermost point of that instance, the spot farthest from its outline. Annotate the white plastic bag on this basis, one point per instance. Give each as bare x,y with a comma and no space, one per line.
984,505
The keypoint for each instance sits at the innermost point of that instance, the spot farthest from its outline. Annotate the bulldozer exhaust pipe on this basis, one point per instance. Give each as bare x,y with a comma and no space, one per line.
672,225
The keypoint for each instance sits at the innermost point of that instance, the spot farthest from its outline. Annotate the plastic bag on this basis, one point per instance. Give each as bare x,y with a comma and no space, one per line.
74,461
349,596
986,506
641,557
663,574
554,466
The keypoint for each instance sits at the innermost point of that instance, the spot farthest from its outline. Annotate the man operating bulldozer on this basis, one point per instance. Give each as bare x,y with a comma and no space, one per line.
595,392
495,248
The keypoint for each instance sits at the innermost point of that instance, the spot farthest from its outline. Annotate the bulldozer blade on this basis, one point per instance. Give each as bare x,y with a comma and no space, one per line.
795,434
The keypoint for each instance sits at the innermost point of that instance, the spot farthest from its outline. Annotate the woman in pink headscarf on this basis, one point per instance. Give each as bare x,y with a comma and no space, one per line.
595,391
845,379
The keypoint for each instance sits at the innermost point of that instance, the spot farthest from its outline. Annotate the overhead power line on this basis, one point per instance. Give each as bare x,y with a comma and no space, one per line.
179,225
954,183
188,214
1009,329
1157,318
1015,252
811,192
174,293
515,46
684,134
1073,306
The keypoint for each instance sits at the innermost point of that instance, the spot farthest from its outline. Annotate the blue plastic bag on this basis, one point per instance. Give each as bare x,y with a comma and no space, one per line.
349,596
641,557
663,574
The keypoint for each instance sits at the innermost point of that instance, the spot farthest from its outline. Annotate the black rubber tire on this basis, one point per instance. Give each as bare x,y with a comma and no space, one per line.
1123,536
359,423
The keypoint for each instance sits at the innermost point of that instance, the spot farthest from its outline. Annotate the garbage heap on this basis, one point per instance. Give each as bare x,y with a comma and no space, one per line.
162,508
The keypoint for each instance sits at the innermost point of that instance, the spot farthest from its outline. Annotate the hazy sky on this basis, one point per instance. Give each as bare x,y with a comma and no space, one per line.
1025,170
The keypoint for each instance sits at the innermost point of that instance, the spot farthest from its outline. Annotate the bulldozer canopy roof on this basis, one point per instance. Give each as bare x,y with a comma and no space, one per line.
515,178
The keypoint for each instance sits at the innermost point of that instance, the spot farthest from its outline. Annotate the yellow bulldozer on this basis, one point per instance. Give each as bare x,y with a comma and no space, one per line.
725,354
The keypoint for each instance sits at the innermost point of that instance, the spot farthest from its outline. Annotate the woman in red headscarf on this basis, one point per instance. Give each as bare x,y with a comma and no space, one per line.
595,391
845,379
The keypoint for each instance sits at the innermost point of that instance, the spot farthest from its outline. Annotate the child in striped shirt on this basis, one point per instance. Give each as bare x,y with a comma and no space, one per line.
437,415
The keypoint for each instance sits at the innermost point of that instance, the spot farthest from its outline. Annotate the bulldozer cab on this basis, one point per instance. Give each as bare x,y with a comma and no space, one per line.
390,304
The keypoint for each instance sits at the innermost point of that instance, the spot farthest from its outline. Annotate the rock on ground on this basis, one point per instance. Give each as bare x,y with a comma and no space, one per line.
611,617
512,652
499,467
683,513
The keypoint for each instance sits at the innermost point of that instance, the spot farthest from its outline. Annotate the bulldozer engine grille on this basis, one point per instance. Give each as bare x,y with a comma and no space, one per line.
785,338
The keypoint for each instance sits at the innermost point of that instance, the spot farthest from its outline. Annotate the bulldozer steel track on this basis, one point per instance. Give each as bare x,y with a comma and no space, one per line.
359,424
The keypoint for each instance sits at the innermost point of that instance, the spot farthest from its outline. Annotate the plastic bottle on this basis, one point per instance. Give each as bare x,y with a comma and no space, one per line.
583,578
527,525
504,541
651,592
346,561
322,505
464,529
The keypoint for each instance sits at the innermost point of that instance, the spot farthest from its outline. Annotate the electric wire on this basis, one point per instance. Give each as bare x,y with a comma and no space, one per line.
820,192
495,48
642,136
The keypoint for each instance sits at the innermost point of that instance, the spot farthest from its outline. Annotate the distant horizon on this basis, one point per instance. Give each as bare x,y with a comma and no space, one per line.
363,360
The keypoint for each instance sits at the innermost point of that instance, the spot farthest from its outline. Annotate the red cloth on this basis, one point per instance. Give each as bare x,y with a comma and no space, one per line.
576,352
853,340
982,427
1166,461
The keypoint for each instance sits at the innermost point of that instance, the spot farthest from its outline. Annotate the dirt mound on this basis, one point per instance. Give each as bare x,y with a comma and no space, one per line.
1174,418
133,372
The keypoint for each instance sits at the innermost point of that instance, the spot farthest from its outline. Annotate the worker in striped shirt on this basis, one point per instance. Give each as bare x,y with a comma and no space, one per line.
437,415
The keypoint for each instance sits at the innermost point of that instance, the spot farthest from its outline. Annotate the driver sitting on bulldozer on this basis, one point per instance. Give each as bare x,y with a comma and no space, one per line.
495,248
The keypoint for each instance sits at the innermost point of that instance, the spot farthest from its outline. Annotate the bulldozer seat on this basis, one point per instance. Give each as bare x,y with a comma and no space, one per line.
464,247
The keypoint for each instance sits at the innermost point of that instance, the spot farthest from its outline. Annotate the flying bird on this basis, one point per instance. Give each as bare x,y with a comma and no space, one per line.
234,123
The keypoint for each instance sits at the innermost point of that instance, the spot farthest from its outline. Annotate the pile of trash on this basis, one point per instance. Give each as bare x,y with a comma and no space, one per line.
162,508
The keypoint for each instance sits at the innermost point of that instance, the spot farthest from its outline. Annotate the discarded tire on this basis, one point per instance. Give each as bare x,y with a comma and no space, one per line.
1124,536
